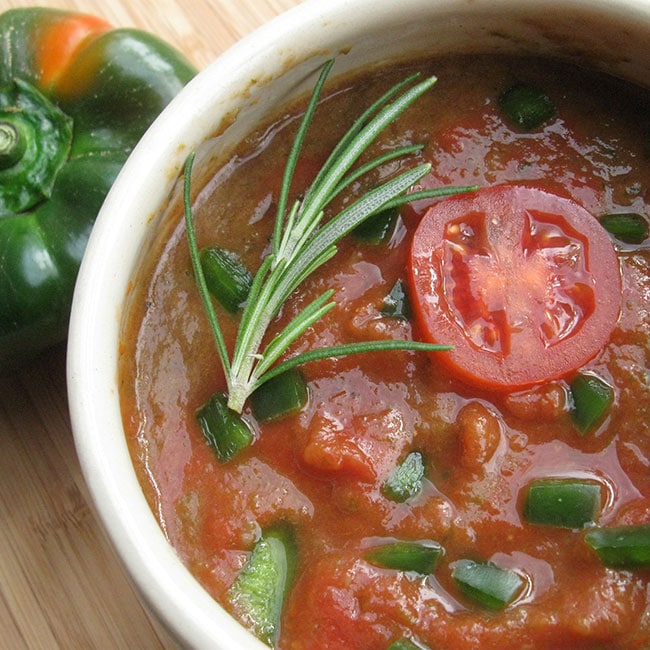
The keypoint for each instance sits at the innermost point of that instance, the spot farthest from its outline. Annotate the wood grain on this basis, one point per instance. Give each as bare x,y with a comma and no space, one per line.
61,585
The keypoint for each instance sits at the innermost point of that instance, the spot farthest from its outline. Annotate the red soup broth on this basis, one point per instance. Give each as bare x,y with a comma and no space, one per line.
323,469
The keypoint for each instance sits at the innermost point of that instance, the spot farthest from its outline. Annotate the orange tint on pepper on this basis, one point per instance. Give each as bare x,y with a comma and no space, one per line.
60,42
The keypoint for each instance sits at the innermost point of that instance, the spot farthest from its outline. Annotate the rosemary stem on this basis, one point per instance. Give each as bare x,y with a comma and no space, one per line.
213,321
301,243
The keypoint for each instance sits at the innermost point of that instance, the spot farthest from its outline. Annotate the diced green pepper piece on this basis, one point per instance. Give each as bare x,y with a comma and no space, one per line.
592,397
562,502
224,430
257,595
406,480
487,584
629,227
279,396
396,303
377,228
406,644
526,106
625,547
420,557
228,280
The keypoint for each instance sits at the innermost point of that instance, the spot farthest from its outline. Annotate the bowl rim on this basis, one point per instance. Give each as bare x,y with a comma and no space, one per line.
166,586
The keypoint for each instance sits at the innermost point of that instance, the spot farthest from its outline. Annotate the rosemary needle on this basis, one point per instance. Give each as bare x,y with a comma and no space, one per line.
301,243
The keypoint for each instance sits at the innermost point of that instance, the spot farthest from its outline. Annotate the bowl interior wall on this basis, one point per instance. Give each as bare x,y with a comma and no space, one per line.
612,40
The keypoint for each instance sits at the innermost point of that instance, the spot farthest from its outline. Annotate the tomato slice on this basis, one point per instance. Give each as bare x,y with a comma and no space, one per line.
524,284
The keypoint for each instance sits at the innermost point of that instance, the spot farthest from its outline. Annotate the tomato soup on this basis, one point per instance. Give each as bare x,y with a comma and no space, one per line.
452,499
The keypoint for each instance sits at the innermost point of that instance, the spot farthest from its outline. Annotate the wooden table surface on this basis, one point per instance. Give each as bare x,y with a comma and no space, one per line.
61,585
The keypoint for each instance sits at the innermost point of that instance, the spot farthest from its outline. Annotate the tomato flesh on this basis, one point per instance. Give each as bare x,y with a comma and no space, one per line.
523,283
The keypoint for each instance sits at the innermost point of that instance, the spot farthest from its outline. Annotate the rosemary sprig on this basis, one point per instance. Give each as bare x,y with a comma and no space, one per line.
301,243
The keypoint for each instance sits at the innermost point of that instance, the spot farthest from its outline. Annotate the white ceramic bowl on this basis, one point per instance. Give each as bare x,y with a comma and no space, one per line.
612,34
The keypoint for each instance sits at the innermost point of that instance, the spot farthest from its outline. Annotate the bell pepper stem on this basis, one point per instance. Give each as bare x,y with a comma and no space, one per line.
12,144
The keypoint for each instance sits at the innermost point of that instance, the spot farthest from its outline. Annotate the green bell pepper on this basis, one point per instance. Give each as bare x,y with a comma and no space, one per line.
75,97
420,557
486,583
257,595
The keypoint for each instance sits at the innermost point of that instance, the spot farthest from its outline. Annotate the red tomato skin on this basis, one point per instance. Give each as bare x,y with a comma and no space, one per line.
489,299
